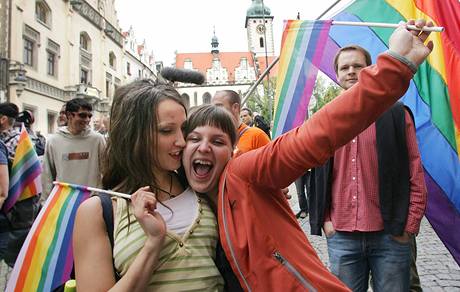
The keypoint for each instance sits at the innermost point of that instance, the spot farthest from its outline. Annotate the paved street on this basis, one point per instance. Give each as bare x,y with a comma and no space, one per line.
437,269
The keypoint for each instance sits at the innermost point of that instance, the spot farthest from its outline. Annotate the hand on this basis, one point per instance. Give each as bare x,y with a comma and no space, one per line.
328,228
410,44
144,204
402,238
286,193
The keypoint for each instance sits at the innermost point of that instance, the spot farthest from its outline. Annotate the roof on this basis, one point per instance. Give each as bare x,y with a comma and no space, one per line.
229,60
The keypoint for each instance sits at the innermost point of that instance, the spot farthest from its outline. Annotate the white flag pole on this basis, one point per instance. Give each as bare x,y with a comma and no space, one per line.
388,25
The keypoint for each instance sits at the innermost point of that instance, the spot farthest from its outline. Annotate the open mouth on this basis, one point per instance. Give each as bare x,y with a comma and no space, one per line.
202,167
176,155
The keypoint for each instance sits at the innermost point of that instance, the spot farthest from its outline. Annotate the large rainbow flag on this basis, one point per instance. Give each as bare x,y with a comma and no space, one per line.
433,95
46,258
302,48
25,173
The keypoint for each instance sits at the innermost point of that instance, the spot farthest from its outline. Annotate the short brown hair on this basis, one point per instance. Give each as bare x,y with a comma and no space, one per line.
366,54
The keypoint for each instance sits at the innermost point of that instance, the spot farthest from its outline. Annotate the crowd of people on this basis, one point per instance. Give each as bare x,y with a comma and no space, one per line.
208,208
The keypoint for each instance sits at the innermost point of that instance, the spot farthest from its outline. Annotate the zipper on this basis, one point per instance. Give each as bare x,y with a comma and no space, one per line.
291,269
227,236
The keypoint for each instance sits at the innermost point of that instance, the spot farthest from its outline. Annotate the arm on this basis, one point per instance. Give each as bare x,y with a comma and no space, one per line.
312,143
49,172
93,262
418,192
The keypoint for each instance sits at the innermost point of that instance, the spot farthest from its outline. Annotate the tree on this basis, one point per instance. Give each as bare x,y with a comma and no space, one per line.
325,90
259,100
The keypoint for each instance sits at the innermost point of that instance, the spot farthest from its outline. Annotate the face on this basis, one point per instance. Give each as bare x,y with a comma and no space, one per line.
97,124
62,119
207,151
245,117
349,64
221,99
79,121
170,138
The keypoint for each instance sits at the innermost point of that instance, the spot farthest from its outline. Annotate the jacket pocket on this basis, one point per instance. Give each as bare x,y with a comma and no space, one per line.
293,271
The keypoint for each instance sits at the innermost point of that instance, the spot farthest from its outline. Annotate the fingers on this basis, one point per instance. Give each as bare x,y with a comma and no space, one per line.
144,202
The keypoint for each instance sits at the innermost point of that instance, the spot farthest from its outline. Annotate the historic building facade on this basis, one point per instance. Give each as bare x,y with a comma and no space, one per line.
59,50
231,70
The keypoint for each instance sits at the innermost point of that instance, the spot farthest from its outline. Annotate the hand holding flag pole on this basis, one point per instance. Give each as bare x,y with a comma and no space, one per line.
91,189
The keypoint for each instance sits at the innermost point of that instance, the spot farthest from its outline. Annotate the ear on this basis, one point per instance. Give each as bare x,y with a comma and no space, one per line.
236,109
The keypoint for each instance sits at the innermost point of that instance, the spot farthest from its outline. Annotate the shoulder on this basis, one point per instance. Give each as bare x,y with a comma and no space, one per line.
90,209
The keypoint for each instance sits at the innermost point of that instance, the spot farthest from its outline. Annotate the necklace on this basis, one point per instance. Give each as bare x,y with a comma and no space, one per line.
152,188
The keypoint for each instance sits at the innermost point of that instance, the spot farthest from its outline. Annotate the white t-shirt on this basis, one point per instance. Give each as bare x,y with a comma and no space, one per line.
182,211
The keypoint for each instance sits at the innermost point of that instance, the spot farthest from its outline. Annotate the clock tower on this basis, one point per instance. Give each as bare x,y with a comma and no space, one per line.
259,27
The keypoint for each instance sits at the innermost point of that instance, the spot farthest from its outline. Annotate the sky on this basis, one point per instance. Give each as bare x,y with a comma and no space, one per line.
186,26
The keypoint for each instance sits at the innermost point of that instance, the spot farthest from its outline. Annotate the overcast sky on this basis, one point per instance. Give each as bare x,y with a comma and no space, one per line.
187,25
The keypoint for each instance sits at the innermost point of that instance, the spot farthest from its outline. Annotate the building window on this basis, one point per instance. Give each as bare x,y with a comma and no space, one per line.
28,52
85,41
84,76
112,61
51,122
139,73
51,63
261,42
43,12
128,68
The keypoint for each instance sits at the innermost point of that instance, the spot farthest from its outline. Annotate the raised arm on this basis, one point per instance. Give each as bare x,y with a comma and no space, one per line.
278,164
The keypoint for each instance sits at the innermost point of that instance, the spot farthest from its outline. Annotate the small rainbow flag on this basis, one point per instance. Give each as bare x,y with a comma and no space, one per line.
46,258
25,173
302,48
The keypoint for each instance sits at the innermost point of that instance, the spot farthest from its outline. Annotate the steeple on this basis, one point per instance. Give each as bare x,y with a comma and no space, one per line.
214,43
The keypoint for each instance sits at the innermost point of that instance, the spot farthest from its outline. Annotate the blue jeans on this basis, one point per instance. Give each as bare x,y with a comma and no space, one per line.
353,255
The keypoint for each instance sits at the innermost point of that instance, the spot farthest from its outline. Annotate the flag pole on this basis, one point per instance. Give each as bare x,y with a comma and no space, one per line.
86,188
388,25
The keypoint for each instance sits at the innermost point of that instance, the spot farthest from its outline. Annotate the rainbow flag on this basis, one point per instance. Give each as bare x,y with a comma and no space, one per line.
433,96
302,48
46,258
25,173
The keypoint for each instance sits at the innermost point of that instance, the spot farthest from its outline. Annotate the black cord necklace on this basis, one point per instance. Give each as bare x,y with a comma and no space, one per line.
165,191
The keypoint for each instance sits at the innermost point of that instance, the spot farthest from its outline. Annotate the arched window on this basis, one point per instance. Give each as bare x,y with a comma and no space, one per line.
112,61
85,41
207,98
186,99
43,12
261,42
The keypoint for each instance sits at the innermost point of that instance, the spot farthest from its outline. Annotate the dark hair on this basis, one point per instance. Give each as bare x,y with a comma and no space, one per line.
233,96
10,110
130,157
351,48
214,116
75,104
26,117
246,109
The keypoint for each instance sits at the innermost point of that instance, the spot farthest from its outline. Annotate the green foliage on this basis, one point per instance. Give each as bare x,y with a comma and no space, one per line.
261,103
325,90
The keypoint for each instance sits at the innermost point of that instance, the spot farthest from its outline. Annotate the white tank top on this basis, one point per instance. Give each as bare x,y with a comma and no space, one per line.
182,211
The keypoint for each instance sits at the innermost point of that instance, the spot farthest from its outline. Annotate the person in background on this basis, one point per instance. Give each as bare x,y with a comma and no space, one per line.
8,134
26,117
249,138
302,185
246,116
62,118
371,196
74,153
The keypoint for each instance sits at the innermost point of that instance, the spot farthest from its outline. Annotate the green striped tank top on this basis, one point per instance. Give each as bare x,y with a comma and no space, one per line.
186,263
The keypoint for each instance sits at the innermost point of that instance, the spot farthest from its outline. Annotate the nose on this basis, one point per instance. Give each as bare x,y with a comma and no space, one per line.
204,146
351,70
180,141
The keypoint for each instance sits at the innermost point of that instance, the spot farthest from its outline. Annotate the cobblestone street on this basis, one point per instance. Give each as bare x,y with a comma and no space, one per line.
436,267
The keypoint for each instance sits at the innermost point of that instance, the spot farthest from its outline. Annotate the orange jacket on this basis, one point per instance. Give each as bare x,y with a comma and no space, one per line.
265,245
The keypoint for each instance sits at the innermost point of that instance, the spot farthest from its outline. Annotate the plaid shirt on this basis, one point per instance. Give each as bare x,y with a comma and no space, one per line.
10,138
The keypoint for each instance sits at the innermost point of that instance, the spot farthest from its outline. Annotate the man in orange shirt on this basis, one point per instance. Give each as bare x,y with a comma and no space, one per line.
250,138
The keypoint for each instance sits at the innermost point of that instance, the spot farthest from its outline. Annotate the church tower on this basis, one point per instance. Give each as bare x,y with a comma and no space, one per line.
259,27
